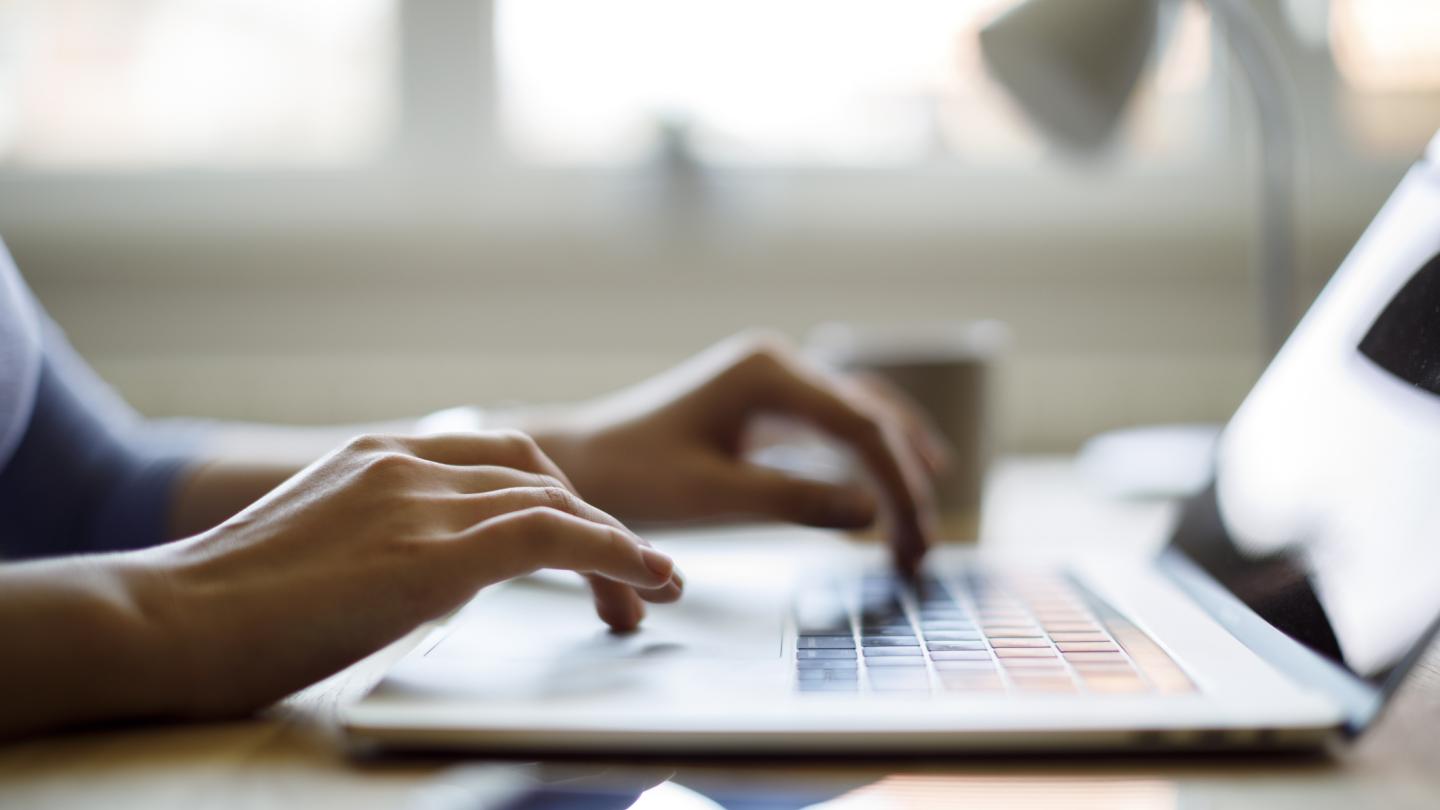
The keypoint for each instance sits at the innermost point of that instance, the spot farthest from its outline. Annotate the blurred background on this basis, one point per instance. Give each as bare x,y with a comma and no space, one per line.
352,209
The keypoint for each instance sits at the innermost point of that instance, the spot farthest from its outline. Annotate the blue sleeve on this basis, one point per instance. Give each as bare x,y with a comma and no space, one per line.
88,474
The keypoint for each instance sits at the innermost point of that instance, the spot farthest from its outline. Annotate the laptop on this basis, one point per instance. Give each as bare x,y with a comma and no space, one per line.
1292,598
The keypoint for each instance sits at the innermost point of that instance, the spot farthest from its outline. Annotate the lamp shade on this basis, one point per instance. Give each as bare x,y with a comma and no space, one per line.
1072,65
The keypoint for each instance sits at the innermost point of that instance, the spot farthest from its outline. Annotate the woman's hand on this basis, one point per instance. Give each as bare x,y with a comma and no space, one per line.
672,449
364,545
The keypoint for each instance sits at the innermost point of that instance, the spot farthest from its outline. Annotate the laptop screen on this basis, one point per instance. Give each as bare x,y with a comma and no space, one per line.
1324,517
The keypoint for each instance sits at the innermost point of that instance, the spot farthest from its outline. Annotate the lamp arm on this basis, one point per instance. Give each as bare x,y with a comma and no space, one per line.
1277,119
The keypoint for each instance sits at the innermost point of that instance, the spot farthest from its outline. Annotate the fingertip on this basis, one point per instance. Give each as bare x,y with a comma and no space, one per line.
909,544
669,592
907,560
624,616
658,563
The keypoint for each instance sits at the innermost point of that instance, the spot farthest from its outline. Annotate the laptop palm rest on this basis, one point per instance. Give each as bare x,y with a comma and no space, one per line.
537,639
552,616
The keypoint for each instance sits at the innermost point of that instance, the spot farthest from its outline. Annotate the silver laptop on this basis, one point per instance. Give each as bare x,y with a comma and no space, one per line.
1291,599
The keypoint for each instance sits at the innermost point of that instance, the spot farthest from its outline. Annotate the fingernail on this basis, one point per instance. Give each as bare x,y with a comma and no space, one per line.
677,578
659,563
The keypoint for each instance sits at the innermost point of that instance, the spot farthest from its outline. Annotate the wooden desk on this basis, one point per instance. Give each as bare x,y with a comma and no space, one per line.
1034,506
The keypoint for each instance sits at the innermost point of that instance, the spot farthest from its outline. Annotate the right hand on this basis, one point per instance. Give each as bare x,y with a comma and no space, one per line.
364,545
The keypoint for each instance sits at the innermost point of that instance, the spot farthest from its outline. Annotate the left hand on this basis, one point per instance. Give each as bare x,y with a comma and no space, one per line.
670,450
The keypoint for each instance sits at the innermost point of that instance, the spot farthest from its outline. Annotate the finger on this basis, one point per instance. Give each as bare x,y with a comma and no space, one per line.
882,448
616,603
525,541
486,478
669,592
751,491
470,510
473,508
481,506
491,448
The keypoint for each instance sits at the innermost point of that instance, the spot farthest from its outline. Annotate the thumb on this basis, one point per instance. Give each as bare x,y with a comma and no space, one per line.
769,493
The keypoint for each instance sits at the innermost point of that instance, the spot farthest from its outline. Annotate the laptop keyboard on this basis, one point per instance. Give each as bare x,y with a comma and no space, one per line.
975,633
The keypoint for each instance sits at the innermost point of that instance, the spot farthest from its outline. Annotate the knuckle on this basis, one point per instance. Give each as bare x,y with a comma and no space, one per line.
613,540
515,441
546,481
367,443
388,465
765,348
560,499
541,526
542,520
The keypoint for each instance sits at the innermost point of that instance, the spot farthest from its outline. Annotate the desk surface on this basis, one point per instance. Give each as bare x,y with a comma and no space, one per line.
290,756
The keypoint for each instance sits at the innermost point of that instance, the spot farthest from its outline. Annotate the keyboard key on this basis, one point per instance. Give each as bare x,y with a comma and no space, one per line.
826,643
827,674
960,655
954,646
1072,627
948,625
826,663
972,665
806,655
1025,652
1013,632
900,680
951,635
892,652
1007,641
896,661
1095,657
889,641
888,630
899,669
1004,616
1063,617
1081,637
1032,663
1087,646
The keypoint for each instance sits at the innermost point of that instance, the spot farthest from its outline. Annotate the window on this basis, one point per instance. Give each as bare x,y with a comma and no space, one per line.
138,84
828,82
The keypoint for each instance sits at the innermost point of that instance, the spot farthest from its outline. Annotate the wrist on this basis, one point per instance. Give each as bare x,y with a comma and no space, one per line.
85,647
159,651
185,627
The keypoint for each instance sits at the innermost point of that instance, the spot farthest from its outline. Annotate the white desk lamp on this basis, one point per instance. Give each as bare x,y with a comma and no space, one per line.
1072,66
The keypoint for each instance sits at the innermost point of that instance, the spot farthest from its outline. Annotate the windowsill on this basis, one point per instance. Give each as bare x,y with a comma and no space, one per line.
631,210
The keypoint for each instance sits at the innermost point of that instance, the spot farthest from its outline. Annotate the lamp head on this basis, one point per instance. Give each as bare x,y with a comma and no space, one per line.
1072,65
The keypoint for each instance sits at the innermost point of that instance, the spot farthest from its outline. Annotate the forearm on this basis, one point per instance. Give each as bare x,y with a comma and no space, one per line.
80,647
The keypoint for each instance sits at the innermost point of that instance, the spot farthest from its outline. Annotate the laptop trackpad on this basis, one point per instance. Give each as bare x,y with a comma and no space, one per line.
728,611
